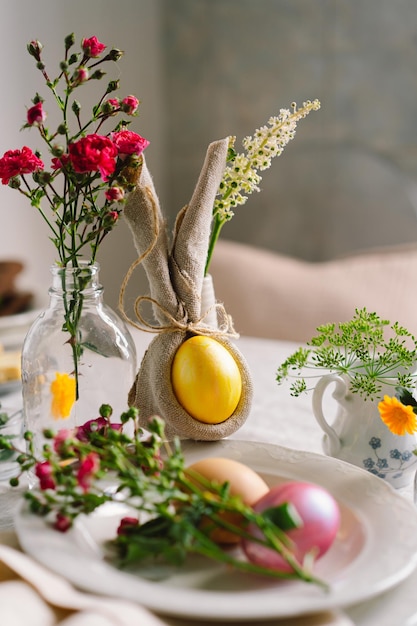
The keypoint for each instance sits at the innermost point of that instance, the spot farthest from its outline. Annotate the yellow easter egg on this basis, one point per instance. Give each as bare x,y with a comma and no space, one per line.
206,379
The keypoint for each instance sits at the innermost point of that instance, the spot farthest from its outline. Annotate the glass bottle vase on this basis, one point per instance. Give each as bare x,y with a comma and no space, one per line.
77,355
208,303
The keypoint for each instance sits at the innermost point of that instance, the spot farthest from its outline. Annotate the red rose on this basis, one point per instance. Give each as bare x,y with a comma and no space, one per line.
18,162
93,153
36,114
92,47
128,142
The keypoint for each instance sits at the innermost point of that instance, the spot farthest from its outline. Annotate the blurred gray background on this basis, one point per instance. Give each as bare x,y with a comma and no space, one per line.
205,69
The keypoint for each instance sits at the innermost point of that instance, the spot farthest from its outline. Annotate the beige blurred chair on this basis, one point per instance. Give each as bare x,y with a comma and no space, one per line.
276,296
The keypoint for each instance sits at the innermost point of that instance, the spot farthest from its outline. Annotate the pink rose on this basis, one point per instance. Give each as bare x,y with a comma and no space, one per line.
18,162
36,115
93,153
92,47
130,104
115,194
89,466
128,142
44,472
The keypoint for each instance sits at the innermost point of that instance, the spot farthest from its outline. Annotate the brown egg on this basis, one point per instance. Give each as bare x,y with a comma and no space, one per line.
243,481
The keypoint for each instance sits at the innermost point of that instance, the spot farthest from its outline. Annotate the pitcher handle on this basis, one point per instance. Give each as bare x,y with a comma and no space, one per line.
319,389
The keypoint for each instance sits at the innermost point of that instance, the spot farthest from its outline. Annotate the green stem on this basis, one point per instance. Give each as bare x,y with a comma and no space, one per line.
72,317
217,226
206,547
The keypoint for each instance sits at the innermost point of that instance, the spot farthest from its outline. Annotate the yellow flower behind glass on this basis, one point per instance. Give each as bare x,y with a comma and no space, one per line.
63,395
399,418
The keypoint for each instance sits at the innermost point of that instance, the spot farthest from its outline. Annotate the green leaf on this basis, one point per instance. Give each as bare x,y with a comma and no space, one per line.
285,516
404,396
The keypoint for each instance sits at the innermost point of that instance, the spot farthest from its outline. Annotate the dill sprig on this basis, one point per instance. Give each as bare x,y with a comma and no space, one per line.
369,350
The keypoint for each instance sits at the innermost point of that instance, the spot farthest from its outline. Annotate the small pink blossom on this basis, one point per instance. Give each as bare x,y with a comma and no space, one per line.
62,522
92,47
89,466
92,153
111,106
36,115
95,425
44,472
35,48
112,216
81,75
128,142
17,162
58,163
127,523
115,194
130,104
61,438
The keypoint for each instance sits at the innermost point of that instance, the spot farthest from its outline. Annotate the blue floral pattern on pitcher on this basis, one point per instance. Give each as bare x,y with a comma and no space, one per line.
398,460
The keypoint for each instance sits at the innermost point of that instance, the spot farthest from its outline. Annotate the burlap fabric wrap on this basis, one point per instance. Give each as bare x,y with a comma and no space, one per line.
175,274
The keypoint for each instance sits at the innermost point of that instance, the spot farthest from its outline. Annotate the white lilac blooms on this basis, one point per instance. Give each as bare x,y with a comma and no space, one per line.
241,174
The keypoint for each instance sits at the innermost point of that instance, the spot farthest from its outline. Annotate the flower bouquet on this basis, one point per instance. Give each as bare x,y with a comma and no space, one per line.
80,194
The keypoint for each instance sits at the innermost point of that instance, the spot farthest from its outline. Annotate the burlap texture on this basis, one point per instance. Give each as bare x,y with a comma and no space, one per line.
175,278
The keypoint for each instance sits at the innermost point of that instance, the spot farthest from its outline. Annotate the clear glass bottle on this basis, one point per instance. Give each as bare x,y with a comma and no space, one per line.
208,303
84,342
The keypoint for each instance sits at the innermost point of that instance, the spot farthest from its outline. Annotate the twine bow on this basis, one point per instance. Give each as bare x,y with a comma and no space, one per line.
225,328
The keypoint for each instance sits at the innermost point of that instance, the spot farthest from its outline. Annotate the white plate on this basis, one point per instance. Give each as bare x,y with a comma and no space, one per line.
375,549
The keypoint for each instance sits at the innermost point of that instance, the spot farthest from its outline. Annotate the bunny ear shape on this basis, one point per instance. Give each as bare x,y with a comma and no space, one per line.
144,217
192,232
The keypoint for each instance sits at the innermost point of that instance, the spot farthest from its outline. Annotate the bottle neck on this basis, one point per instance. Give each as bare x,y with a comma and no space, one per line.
83,279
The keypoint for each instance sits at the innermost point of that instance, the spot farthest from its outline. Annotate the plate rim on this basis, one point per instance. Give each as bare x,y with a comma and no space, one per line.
245,611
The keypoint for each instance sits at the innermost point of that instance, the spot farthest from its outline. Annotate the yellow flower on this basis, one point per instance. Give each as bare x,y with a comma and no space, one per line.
63,395
399,417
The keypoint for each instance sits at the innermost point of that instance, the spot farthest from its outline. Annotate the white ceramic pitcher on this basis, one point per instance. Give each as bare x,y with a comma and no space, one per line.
358,435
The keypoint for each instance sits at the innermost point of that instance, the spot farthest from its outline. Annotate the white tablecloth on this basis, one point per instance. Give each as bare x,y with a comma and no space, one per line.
277,418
